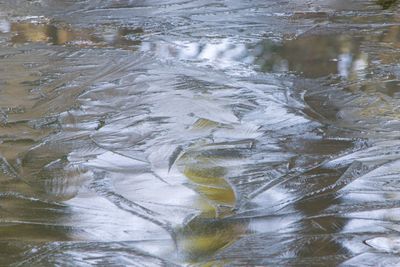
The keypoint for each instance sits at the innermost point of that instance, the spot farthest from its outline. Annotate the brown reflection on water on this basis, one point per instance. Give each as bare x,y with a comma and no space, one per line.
315,56
320,232
25,32
351,65
319,55
390,40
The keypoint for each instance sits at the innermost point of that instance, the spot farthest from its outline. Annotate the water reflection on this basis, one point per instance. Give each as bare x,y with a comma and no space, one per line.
5,26
321,55
209,232
224,55
386,3
45,32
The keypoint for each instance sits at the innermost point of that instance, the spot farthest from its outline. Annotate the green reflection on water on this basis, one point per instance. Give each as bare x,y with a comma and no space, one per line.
386,3
212,230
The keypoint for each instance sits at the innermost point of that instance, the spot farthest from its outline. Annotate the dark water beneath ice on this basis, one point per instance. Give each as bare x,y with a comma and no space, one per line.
200,133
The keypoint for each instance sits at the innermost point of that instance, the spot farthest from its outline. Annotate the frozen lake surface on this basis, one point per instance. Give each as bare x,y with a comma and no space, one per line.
200,133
